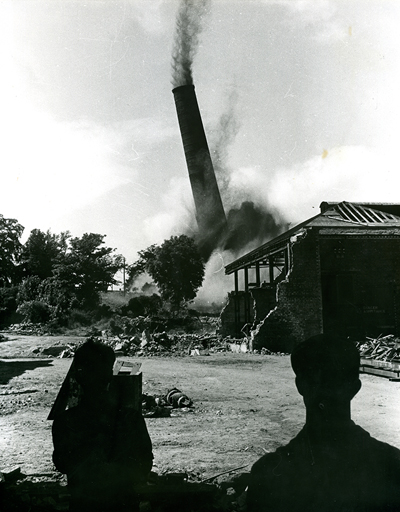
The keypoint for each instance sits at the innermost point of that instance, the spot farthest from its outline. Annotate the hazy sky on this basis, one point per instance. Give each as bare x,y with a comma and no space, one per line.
300,97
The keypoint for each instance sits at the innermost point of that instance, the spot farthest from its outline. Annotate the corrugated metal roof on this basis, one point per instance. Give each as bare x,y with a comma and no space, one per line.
340,216
352,212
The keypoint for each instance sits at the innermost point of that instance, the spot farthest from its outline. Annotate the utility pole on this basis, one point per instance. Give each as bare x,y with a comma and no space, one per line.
123,275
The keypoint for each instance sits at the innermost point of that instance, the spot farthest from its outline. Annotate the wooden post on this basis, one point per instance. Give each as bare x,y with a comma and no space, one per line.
123,277
246,296
258,279
271,269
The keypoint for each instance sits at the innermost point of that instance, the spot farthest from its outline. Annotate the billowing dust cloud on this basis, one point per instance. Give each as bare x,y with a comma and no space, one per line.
250,221
188,28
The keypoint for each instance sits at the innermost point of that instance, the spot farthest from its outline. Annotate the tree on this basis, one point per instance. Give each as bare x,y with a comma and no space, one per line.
42,251
87,269
175,266
64,273
10,249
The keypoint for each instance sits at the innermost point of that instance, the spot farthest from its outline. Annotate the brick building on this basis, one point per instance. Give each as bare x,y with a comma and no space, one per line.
336,272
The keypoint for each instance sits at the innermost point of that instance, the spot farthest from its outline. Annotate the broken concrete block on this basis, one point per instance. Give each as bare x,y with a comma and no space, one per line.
54,350
13,474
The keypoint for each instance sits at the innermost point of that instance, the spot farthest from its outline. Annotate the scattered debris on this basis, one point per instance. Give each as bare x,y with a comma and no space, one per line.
224,473
177,399
266,352
147,344
173,490
385,348
29,329
55,350
161,406
137,339
19,392
11,474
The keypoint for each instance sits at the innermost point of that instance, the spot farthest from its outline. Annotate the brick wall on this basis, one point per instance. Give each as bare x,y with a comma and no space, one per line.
367,289
228,326
298,312
346,282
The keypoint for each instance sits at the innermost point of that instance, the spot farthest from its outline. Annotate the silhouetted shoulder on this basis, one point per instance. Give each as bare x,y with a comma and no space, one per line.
272,463
273,477
354,473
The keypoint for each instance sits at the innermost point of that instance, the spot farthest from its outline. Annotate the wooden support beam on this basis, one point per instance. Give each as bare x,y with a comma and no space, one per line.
271,269
258,279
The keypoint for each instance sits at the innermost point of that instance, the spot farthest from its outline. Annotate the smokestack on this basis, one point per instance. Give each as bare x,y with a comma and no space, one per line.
210,213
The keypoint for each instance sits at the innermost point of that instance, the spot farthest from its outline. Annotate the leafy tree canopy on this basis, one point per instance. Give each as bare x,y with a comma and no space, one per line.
10,249
51,274
42,251
175,266
88,268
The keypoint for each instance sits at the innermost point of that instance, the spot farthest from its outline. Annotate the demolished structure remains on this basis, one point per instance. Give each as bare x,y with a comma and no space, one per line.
336,272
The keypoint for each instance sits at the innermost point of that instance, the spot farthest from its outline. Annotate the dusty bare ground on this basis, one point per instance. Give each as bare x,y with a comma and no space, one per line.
245,404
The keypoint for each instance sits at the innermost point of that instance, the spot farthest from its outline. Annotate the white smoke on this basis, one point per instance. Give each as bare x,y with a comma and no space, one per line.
216,285
176,214
350,173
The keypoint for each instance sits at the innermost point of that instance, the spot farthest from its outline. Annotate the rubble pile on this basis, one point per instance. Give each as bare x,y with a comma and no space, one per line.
385,348
165,492
158,344
29,329
163,343
266,352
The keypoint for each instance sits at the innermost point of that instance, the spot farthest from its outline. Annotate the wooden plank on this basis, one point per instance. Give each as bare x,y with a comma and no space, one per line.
380,372
126,367
389,365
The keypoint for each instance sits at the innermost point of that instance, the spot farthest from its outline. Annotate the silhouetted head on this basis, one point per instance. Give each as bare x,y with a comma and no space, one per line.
93,363
327,371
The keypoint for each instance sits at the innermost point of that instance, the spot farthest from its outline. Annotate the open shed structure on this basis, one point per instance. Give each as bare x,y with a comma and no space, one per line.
336,272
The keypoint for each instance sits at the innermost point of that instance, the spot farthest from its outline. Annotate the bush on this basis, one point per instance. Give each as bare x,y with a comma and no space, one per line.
8,304
142,306
35,311
79,317
103,311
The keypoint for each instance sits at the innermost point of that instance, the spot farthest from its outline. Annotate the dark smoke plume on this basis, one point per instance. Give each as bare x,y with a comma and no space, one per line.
188,28
250,224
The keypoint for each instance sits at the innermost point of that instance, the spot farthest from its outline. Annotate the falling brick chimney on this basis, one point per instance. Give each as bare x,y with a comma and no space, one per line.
210,213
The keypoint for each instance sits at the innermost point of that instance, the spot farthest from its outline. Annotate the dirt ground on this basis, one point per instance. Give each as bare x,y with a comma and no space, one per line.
244,405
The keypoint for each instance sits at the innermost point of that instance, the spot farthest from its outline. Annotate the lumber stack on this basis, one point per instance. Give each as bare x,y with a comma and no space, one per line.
382,348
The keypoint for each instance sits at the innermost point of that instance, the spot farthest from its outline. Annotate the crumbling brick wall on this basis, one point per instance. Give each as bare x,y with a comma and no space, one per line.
264,301
298,311
227,324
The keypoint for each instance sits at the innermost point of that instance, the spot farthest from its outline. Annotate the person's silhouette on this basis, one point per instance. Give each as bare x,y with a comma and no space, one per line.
332,464
105,450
